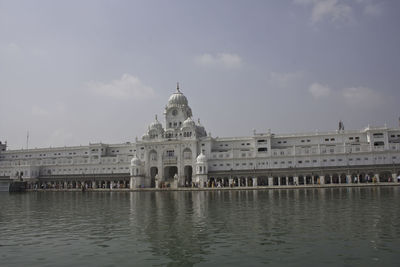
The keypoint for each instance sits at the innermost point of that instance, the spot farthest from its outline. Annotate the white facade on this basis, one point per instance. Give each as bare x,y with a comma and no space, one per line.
180,153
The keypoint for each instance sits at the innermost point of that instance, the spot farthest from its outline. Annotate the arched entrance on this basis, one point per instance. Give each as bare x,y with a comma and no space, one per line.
188,171
169,172
153,173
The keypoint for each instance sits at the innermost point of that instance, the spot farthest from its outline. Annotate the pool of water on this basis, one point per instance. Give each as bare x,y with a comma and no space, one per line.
319,226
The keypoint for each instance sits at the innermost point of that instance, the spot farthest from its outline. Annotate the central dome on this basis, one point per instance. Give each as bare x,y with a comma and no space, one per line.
177,98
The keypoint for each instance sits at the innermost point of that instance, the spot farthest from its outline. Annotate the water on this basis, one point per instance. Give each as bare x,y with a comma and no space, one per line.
333,226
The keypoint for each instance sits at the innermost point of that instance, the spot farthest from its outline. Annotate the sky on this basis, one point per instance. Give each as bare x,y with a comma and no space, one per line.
80,72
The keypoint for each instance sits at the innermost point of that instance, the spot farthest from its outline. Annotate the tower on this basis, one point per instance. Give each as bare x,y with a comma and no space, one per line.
201,170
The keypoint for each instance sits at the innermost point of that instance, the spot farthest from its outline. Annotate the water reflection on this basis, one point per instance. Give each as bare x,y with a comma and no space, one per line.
333,226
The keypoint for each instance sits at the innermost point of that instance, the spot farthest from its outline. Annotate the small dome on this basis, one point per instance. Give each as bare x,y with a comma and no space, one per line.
177,98
135,161
156,125
201,158
188,123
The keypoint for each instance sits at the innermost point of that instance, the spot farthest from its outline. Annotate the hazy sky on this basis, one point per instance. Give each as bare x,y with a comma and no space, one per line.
74,72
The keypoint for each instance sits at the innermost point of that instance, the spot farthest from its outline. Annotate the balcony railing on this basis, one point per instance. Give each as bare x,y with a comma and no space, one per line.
170,159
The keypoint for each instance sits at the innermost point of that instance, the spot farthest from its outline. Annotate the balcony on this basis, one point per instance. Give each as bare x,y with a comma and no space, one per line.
170,159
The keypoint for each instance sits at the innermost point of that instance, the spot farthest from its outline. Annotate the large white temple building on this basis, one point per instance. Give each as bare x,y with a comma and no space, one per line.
180,153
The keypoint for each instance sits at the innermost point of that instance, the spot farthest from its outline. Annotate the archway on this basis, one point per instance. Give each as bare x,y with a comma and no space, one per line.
169,172
343,178
153,173
385,177
188,171
328,179
335,178
262,181
301,180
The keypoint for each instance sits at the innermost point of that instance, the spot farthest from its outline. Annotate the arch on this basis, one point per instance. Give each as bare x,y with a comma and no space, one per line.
301,180
385,177
153,173
262,181
153,155
188,172
328,179
187,154
169,172
316,179
335,178
308,179
343,178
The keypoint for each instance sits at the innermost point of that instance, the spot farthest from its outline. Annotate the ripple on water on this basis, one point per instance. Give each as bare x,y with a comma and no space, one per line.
349,226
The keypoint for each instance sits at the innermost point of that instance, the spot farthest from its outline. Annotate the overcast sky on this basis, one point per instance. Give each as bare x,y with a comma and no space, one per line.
74,72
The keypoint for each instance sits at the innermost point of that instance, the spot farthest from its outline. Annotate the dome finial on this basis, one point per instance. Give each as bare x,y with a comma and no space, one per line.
177,87
156,117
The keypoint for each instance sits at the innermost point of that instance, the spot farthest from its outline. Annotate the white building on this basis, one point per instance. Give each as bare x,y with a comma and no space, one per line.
181,154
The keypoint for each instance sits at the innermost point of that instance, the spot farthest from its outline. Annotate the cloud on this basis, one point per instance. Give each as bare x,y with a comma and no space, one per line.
285,79
361,96
318,90
339,10
127,86
225,60
328,9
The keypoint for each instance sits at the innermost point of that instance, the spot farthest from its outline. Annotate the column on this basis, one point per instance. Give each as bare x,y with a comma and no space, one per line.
94,185
270,181
255,182
296,180
287,180
230,182
394,177
247,182
279,181
322,179
377,177
340,179
348,179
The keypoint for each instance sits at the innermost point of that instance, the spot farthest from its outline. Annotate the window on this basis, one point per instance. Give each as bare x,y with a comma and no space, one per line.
262,149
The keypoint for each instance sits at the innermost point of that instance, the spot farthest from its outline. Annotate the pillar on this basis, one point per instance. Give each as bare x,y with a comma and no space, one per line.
394,177
348,179
296,180
322,179
255,182
279,181
270,181
230,182
377,177
94,185
247,182
287,180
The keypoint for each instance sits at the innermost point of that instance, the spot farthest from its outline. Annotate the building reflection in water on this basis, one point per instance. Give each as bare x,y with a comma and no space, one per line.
201,226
